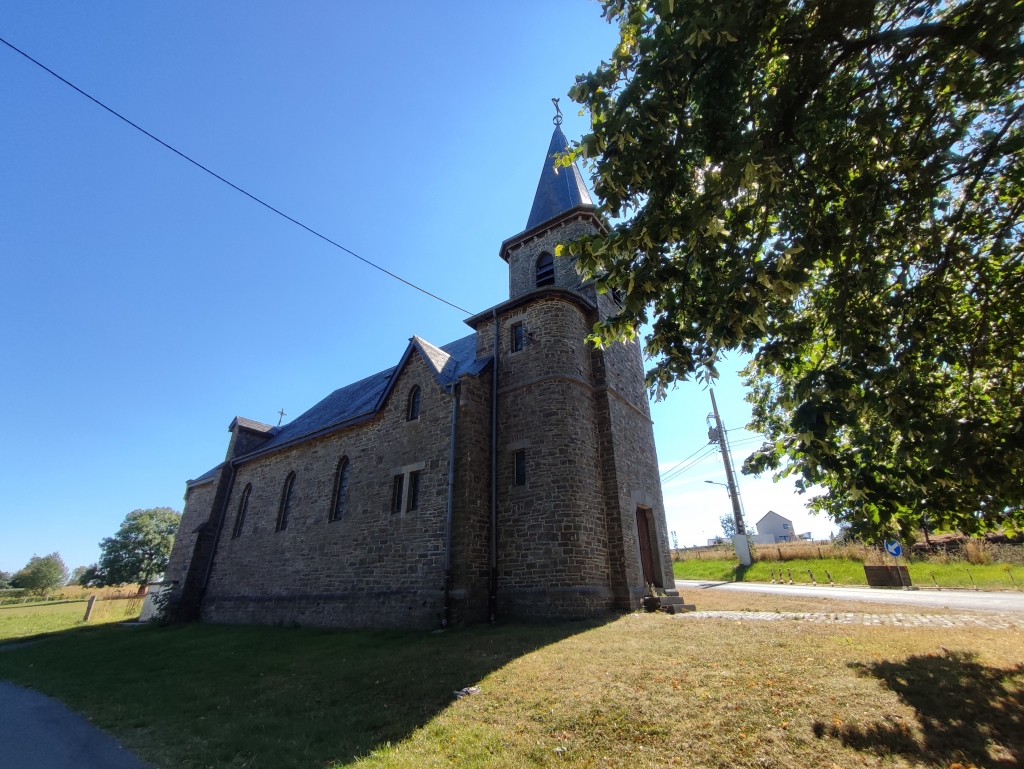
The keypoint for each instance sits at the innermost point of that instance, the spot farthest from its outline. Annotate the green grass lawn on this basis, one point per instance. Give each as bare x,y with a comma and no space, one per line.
200,695
846,572
641,691
21,621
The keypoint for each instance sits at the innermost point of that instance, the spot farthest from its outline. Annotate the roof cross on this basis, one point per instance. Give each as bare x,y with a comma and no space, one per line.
283,415
557,120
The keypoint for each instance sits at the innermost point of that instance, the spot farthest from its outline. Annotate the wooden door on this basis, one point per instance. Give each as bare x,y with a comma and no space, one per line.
646,556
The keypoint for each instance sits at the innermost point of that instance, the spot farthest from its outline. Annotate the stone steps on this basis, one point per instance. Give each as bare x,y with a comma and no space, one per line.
672,602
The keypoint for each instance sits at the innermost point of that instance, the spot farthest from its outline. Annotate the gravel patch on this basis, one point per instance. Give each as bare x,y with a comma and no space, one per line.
994,621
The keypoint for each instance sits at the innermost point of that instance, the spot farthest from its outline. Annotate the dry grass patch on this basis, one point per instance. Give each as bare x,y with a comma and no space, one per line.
653,691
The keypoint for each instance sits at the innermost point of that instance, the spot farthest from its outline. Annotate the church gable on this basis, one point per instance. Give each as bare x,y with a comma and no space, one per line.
365,508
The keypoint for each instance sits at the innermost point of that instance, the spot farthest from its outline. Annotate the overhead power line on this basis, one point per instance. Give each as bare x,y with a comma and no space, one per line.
698,451
234,186
706,452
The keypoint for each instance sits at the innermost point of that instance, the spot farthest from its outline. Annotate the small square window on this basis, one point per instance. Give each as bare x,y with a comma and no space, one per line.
396,494
414,492
517,337
520,468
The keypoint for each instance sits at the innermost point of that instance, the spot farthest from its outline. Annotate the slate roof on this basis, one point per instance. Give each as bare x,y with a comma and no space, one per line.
558,189
208,475
361,400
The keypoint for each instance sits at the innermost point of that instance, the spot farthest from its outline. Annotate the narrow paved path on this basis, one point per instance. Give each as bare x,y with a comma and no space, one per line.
37,732
946,599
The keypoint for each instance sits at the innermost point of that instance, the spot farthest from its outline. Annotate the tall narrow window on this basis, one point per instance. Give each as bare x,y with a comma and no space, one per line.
545,270
396,494
414,404
341,492
520,468
517,337
243,508
414,492
286,502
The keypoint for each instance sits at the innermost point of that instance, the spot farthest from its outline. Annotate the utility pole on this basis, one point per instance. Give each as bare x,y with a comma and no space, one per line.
717,435
734,492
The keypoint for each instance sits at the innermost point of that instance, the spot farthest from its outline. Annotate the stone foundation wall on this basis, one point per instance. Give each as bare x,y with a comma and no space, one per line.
554,603
386,606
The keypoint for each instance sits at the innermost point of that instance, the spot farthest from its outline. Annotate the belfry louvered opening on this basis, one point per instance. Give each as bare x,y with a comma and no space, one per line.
545,270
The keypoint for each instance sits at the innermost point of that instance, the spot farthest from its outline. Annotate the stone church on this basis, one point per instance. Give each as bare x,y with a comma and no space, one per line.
508,475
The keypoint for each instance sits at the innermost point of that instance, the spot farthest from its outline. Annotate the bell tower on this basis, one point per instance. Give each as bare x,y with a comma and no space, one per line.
562,210
578,515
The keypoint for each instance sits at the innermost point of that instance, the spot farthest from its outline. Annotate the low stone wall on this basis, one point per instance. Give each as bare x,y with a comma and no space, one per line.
382,608
554,603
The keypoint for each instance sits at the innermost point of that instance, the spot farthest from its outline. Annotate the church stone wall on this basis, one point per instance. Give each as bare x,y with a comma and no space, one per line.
624,364
629,460
471,519
198,509
552,542
522,260
636,469
370,568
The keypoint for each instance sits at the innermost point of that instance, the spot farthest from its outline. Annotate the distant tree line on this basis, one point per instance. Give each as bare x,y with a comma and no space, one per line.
40,574
137,553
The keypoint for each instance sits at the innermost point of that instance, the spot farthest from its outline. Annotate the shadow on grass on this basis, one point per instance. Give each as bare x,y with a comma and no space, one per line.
221,695
965,710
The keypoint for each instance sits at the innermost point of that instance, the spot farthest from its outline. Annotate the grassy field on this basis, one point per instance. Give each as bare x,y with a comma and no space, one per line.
23,621
640,691
846,572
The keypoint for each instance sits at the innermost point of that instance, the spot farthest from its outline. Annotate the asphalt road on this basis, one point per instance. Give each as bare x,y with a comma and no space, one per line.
37,732
937,599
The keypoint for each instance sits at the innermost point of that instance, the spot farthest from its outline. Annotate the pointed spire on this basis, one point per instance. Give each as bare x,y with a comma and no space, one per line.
559,189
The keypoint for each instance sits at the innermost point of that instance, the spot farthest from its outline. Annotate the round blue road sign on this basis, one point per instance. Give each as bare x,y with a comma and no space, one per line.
892,547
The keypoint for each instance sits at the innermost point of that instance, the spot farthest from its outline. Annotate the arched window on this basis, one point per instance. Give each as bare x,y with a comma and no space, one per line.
286,502
243,508
341,490
545,270
414,404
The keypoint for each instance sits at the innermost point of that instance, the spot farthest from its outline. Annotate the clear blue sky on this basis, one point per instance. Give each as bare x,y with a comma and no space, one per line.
146,304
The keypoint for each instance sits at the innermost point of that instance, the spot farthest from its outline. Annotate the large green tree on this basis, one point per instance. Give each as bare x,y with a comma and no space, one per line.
836,188
42,573
140,549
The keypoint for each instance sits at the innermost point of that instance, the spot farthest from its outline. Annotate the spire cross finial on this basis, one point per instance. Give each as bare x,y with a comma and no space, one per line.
557,120
283,415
